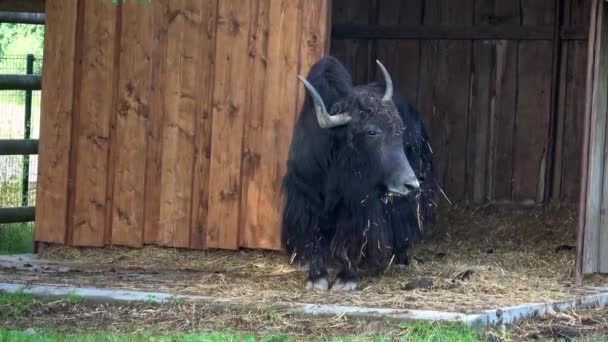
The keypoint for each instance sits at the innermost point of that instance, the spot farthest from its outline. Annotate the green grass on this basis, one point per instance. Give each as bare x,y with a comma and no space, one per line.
18,304
19,336
439,332
15,305
16,238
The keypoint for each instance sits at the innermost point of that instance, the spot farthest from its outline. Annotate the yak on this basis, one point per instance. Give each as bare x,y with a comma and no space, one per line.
359,181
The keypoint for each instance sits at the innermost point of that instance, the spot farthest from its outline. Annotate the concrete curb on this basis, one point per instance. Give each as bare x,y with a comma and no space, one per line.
504,316
594,297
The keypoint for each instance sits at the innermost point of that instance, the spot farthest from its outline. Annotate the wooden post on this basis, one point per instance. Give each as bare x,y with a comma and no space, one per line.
593,259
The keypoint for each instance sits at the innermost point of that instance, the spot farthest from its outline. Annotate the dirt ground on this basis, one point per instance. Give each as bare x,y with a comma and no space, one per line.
474,259
174,318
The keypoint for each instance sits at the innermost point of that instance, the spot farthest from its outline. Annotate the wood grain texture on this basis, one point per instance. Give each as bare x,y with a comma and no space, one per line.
93,130
476,173
55,130
253,147
161,15
202,135
133,114
180,93
354,53
599,105
574,80
401,57
534,74
229,101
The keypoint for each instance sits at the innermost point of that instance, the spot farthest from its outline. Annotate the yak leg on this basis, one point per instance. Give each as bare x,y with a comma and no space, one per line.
302,234
346,250
345,281
317,275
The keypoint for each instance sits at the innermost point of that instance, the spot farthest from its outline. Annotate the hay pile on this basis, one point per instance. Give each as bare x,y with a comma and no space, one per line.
474,259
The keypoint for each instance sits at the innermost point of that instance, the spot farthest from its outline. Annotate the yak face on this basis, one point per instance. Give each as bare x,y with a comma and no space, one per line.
375,133
374,130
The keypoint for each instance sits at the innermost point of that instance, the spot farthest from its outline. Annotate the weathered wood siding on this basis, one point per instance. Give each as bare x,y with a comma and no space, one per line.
169,123
484,90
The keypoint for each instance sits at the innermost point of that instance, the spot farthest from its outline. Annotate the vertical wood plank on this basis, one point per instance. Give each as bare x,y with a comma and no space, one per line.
55,130
559,140
229,99
180,93
202,135
454,58
93,131
427,78
353,53
158,49
480,110
599,105
503,100
533,95
260,34
401,57
478,122
133,116
575,79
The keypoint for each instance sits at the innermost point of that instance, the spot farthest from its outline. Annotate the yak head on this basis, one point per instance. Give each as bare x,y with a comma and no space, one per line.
373,130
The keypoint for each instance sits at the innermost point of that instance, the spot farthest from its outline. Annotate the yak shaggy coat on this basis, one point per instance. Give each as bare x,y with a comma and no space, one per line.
335,208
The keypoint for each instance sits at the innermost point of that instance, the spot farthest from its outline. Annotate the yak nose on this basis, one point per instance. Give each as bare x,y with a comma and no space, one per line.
412,184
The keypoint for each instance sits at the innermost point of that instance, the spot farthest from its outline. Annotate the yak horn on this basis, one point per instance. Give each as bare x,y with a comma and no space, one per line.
388,93
325,120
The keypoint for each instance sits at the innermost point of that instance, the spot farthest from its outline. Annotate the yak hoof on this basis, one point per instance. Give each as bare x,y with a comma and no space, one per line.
346,286
318,284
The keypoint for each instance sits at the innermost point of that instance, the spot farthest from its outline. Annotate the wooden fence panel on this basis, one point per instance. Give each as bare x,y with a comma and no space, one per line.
161,16
485,102
202,135
92,134
229,101
55,132
183,60
133,114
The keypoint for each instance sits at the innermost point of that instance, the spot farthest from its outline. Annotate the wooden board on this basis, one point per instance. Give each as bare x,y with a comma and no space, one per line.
93,131
132,119
229,101
574,80
401,57
253,148
56,116
599,105
161,15
534,75
180,93
202,135
354,53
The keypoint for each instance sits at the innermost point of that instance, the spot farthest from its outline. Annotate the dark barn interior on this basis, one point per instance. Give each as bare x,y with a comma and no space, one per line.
501,87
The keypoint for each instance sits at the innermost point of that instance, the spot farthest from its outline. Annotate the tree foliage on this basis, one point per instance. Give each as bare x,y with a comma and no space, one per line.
21,39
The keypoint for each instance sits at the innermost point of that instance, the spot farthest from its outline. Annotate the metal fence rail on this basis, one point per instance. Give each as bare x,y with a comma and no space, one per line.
20,84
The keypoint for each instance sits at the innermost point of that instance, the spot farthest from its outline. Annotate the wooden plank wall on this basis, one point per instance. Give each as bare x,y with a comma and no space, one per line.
169,123
486,102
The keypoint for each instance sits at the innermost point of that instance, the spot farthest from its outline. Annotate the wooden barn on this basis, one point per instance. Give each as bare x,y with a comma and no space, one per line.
168,123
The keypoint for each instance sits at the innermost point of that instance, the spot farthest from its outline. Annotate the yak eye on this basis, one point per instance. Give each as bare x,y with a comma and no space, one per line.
372,133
